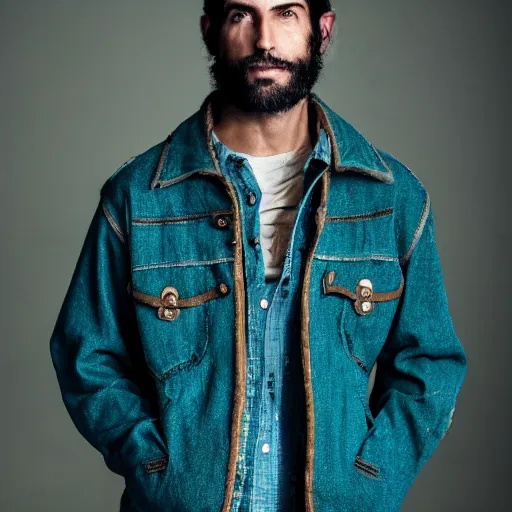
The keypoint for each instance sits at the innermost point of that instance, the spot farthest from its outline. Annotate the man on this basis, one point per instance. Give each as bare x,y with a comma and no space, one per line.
241,284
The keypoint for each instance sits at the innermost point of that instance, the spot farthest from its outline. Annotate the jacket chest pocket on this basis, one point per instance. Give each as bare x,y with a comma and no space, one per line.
172,306
368,291
182,266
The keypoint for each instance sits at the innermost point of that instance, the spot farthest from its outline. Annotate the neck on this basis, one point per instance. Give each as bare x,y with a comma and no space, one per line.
262,134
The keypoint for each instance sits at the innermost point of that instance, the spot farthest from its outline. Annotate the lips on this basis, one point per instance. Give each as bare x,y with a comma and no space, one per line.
267,66
259,67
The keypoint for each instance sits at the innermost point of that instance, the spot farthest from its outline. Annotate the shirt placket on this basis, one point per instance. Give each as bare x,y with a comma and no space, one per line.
265,478
249,193
273,480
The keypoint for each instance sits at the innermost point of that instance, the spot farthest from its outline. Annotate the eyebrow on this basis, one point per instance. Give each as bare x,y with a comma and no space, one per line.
245,7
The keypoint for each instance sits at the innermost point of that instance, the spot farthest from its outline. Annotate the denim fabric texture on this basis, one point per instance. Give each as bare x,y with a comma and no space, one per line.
158,344
266,481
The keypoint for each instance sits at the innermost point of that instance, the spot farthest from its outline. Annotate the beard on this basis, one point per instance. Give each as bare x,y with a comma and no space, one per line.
231,79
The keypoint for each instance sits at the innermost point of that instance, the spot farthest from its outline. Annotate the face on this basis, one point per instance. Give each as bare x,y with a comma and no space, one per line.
268,56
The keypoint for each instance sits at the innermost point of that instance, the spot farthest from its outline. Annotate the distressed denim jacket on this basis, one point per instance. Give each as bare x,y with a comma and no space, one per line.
150,344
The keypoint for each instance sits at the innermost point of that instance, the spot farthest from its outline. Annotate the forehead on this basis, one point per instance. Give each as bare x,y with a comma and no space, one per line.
266,4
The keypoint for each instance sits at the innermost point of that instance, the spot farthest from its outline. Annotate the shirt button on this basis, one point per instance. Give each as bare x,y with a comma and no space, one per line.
264,303
265,448
251,198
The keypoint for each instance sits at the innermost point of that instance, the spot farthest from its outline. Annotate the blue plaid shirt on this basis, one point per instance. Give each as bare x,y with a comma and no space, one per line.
269,476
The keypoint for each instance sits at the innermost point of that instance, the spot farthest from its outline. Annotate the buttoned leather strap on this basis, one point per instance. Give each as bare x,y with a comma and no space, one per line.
220,291
375,296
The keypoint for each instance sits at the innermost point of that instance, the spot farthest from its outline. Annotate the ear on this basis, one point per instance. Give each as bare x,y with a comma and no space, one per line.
326,26
205,23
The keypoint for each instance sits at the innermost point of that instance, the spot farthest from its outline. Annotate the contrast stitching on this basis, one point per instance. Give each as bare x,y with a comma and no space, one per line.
181,177
178,219
194,359
383,257
113,223
386,176
360,216
161,162
188,263
239,394
321,212
419,230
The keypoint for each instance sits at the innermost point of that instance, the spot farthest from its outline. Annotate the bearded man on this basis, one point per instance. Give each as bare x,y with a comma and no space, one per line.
257,321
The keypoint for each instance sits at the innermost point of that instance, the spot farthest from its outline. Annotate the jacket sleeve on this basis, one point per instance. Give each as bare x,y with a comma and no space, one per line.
97,356
419,373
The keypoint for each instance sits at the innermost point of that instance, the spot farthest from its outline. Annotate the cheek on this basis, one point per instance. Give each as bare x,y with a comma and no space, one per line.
235,43
292,43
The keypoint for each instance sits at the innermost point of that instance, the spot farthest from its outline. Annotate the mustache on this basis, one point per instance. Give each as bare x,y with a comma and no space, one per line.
258,60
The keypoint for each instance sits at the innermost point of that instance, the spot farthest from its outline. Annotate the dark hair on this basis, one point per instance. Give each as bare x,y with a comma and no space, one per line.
215,8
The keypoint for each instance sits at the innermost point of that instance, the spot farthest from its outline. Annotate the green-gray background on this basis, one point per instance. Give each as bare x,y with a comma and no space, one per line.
85,85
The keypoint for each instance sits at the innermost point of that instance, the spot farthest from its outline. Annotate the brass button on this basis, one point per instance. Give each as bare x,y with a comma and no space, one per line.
330,277
169,296
168,314
364,289
365,292
366,306
170,300
223,288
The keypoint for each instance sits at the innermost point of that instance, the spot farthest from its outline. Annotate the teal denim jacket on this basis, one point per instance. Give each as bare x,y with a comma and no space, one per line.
149,346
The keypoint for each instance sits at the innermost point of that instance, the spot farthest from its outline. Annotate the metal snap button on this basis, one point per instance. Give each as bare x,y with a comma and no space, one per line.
222,222
366,306
364,289
264,303
251,198
168,314
365,292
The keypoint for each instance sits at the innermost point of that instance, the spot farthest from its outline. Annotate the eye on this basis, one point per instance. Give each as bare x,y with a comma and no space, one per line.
288,11
237,17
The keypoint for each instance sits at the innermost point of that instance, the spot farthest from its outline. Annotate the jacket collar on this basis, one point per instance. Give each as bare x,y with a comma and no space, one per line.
189,148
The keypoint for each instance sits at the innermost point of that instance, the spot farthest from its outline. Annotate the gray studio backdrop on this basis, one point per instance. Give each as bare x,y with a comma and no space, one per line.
87,84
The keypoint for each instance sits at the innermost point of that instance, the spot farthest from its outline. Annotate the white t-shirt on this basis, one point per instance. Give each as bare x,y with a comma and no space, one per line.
280,178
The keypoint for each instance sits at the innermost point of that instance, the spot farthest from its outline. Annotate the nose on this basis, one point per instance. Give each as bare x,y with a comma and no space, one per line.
264,36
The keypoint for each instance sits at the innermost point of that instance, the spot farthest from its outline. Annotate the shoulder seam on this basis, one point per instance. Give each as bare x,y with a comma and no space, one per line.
419,229
112,222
